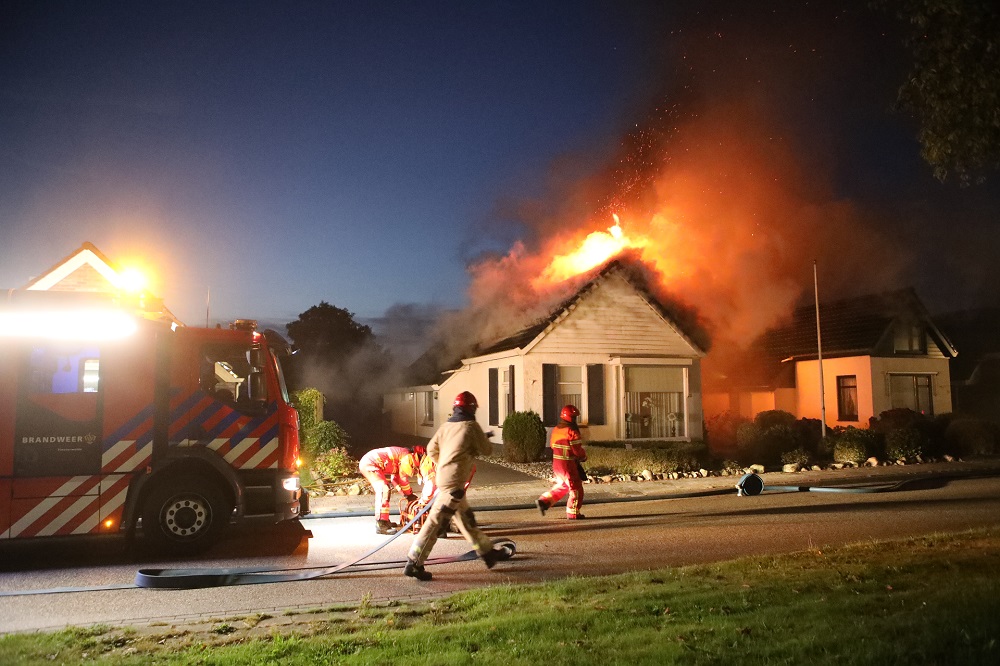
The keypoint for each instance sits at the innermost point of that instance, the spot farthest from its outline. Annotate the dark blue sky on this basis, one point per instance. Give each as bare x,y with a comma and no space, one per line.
287,153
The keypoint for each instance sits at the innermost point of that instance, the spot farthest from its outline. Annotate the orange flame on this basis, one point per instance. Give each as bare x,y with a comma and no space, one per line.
597,248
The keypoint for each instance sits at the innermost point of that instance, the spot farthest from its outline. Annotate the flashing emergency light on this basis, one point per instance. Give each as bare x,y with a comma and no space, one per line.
80,324
132,280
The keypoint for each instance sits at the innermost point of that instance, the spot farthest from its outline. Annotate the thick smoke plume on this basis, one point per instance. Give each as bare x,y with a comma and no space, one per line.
727,201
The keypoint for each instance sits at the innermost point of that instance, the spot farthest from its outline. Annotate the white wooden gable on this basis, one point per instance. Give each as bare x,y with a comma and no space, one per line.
613,317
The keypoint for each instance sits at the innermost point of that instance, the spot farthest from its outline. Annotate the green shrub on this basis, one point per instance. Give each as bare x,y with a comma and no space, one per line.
797,456
326,436
765,439
856,445
523,437
720,434
306,403
774,417
894,419
971,437
668,457
906,443
334,464
316,436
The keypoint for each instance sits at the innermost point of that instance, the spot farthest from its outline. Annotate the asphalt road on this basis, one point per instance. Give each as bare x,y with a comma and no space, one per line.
615,537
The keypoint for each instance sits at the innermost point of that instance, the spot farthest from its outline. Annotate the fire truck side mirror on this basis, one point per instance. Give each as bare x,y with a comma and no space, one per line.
258,390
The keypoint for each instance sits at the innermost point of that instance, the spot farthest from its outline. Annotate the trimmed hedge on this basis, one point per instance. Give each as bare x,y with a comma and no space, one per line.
657,457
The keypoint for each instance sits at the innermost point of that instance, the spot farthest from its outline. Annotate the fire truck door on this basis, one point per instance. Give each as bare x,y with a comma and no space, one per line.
57,442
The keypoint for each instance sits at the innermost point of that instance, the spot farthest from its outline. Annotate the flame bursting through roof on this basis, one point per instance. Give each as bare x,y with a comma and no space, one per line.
596,249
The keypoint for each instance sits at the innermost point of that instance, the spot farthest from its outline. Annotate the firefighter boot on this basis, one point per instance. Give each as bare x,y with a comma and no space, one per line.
491,557
385,527
414,570
542,506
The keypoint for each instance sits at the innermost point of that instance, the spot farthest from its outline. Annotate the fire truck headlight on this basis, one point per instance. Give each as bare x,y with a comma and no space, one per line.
291,484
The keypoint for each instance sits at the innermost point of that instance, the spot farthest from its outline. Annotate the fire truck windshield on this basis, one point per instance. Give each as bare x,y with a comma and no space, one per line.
225,372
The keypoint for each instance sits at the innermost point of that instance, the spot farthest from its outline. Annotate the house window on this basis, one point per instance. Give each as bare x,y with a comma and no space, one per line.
911,392
571,386
654,402
427,403
909,339
847,398
506,396
578,385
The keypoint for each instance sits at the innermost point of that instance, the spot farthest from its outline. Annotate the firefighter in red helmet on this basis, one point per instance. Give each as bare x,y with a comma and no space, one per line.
453,448
567,454
386,468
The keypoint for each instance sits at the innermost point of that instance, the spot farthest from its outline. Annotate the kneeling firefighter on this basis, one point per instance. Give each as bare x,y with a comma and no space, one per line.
386,468
453,448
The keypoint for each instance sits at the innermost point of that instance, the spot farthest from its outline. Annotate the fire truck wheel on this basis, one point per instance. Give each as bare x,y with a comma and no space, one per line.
184,515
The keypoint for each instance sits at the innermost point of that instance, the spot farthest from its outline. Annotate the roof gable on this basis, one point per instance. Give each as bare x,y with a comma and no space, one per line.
85,269
608,311
851,326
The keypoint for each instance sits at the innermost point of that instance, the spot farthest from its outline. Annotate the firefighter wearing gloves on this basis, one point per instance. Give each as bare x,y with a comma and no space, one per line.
453,448
386,468
567,454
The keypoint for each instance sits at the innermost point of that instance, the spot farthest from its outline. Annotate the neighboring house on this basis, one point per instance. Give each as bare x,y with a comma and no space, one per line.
975,375
880,352
612,350
88,271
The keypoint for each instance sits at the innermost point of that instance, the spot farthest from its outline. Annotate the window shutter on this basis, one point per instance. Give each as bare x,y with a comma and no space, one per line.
550,394
510,387
595,395
494,397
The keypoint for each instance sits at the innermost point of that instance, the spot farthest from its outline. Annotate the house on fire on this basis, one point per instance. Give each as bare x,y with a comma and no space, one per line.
612,350
880,352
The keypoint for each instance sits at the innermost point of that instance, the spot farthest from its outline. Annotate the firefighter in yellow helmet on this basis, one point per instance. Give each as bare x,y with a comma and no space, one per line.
453,448
386,468
567,454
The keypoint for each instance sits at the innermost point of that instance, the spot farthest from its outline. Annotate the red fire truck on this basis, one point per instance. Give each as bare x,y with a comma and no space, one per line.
109,423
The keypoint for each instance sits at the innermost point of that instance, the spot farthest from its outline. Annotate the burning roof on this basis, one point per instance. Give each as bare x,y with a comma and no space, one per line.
429,368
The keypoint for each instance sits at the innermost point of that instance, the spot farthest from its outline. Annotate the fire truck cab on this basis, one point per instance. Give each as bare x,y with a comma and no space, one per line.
109,423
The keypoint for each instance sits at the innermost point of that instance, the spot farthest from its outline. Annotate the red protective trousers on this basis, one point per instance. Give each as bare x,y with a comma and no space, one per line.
381,468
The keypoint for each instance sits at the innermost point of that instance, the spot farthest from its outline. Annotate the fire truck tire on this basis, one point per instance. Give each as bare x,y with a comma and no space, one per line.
185,515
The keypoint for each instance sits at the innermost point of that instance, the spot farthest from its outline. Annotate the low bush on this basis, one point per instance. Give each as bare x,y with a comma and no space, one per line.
720,434
769,436
797,456
906,444
772,418
523,437
856,445
971,437
334,464
661,459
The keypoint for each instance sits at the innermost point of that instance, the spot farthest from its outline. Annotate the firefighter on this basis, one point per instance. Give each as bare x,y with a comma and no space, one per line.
567,454
428,487
453,448
386,468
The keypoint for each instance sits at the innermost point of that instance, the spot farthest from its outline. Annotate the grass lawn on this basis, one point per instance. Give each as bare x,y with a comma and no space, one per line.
930,600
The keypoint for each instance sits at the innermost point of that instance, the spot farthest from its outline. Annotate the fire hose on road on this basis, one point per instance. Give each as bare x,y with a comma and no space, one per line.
194,578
